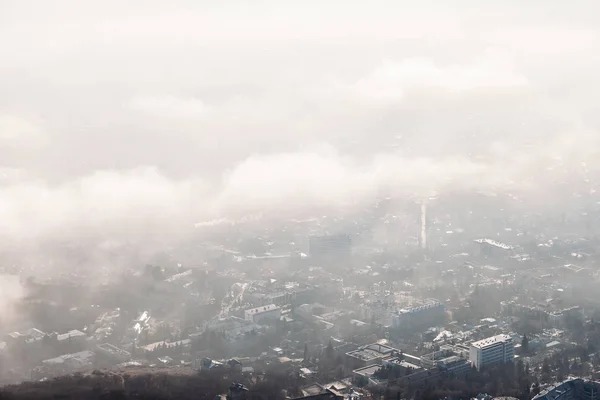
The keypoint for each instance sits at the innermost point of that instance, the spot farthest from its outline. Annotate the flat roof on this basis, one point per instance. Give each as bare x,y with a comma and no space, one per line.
70,334
372,351
482,344
82,356
368,370
113,349
262,309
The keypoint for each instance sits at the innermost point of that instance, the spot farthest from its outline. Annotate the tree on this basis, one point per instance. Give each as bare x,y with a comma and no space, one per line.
546,370
305,352
362,381
525,344
546,366
520,369
329,352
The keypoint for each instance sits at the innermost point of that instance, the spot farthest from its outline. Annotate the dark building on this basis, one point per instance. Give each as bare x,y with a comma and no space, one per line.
327,394
330,245
573,389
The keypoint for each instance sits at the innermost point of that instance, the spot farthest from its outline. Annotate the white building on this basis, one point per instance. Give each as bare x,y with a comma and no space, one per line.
258,314
73,336
493,350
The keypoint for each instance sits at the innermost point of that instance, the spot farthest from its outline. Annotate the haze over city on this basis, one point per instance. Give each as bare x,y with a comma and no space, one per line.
162,162
113,113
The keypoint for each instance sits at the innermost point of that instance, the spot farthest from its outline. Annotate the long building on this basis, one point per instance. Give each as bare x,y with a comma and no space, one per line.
370,355
260,314
330,245
572,389
493,350
430,313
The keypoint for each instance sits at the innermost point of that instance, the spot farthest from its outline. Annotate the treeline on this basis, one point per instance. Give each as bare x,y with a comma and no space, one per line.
514,380
273,384
100,385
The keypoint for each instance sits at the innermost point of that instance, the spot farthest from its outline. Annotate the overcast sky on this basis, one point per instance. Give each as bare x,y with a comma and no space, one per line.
124,111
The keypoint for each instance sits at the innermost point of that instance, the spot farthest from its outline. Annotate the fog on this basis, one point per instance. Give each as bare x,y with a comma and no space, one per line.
177,163
151,115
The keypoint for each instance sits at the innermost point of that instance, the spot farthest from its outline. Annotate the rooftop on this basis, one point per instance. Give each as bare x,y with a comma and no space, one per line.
482,344
80,357
494,243
262,309
372,351
70,334
368,370
109,348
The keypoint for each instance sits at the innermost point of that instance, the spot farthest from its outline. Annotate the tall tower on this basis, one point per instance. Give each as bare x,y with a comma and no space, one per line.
423,236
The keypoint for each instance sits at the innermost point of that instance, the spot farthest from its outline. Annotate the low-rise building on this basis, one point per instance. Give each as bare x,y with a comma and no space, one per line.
232,328
113,353
369,355
454,365
70,363
30,337
73,336
263,313
368,375
432,312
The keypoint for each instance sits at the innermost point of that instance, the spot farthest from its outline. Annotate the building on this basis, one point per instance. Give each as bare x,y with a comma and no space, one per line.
445,353
70,363
573,389
454,365
490,248
288,293
560,319
326,394
369,355
404,366
330,245
493,350
73,336
232,328
432,312
368,375
31,337
264,313
112,354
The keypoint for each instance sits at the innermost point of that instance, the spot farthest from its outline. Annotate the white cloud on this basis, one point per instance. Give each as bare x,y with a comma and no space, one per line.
394,80
20,132
169,106
240,95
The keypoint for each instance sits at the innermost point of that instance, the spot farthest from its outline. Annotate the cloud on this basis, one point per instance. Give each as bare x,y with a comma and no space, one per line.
119,117
169,106
137,204
109,201
20,132
393,80
327,179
